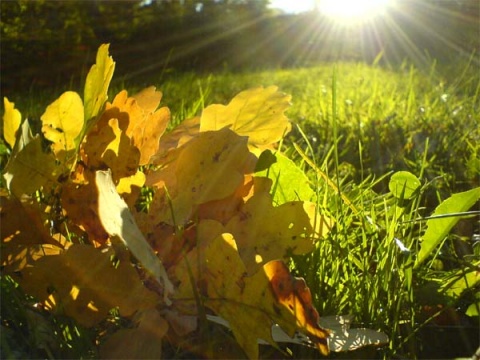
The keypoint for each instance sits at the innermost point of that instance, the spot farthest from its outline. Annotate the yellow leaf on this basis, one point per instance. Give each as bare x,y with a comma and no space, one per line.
251,304
107,145
96,86
85,284
24,238
29,168
11,122
208,167
257,113
62,122
142,124
142,342
184,132
79,203
118,221
129,187
264,232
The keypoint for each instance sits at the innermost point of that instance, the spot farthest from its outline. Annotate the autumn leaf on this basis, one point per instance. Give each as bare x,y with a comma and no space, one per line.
181,134
257,113
108,146
62,122
11,122
24,239
208,167
293,294
118,221
96,87
142,342
29,167
251,304
80,202
264,232
86,285
146,130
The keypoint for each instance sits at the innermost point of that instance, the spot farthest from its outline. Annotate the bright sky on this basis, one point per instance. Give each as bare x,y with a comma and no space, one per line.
350,10
292,6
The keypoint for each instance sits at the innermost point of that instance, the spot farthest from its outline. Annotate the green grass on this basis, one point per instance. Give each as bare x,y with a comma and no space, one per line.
357,129
355,125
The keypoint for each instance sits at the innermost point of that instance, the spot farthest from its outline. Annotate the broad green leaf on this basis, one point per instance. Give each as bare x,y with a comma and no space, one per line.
438,228
11,122
290,182
62,122
257,113
87,285
404,185
472,309
462,279
118,221
29,168
96,87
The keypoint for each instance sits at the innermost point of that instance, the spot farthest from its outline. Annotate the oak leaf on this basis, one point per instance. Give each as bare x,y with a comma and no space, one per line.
257,113
264,232
215,273
86,285
96,87
118,221
62,122
147,130
11,122
208,167
29,167
24,239
142,342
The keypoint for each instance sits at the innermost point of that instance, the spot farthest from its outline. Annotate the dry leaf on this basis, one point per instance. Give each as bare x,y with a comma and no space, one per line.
86,285
118,221
264,232
142,342
257,113
11,122
62,122
209,167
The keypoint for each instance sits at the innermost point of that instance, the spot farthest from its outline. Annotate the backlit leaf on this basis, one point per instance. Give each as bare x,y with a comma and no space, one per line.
11,122
246,302
438,228
404,185
107,145
96,86
62,122
290,182
208,167
86,285
118,221
257,113
264,232
29,167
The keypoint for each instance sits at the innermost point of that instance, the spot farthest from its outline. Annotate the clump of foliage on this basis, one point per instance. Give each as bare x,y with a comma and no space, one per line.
121,239
210,239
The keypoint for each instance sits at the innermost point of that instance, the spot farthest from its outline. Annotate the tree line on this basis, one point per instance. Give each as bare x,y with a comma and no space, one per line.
47,42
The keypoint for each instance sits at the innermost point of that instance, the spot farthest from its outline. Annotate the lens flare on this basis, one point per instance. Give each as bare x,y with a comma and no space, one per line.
353,10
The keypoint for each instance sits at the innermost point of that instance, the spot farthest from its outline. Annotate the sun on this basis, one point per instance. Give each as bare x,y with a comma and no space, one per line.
350,11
